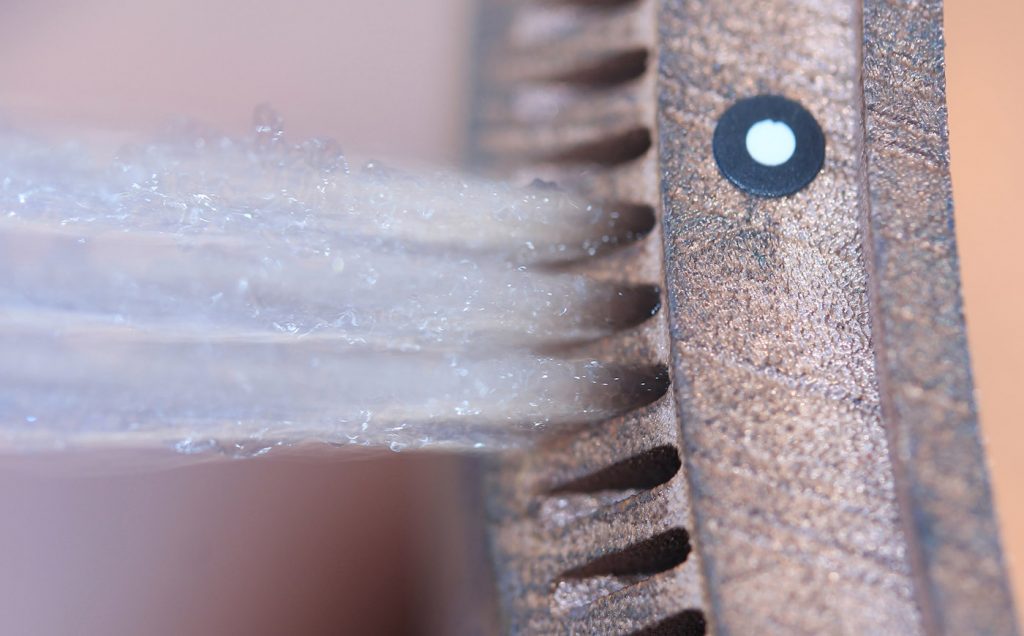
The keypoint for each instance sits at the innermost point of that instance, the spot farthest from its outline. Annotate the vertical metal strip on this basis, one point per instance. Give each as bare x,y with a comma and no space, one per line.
796,513
920,339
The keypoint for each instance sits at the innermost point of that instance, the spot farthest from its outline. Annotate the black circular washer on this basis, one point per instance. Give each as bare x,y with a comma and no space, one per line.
730,146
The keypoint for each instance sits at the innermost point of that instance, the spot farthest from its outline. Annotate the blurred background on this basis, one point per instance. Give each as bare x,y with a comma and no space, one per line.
283,537
985,85
310,542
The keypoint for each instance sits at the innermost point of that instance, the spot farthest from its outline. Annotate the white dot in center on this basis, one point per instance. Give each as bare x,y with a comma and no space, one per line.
770,142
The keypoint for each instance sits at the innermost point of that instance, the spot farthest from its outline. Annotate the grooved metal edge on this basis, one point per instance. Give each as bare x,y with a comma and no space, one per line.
920,338
576,551
832,478
792,488
838,482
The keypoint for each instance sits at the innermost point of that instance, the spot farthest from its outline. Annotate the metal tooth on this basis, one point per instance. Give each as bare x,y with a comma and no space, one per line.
571,144
573,530
655,599
617,526
593,66
607,444
540,556
640,604
550,107
535,22
625,182
525,57
527,480
545,118
539,567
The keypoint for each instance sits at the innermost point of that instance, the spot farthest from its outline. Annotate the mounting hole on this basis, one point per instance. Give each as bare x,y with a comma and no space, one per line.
769,146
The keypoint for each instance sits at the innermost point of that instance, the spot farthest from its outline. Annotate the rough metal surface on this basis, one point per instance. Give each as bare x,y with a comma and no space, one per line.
814,467
920,340
590,532
796,509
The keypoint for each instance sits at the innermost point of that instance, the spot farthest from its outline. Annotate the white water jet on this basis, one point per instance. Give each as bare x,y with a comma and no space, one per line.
202,291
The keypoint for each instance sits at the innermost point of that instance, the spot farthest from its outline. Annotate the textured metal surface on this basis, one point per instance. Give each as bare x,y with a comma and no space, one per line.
590,532
920,339
771,333
815,466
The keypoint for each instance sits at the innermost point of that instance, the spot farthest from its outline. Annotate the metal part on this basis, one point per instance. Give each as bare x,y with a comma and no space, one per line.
815,466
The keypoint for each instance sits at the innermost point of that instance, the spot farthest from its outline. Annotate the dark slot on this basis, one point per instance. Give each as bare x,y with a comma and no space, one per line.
628,306
646,386
595,4
635,221
608,151
657,554
644,471
610,70
688,623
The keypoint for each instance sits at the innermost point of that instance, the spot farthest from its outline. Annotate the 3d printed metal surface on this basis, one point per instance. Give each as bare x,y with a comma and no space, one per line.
815,465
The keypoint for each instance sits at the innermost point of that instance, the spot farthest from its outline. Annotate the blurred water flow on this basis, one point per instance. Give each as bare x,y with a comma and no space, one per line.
208,292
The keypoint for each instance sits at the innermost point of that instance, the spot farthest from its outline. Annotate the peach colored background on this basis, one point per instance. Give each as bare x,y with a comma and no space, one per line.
323,544
387,77
312,543
383,76
984,57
